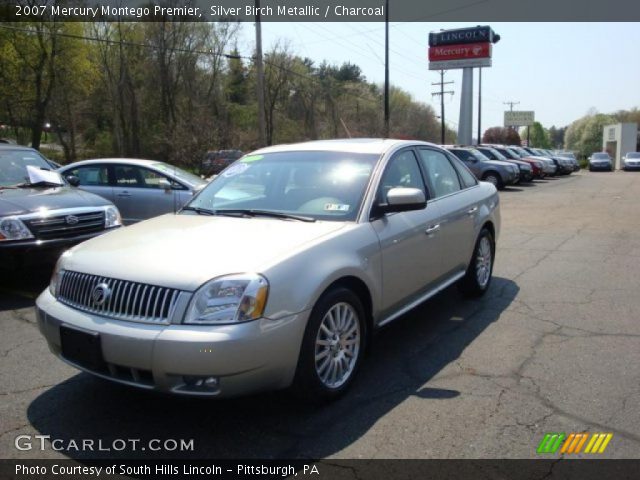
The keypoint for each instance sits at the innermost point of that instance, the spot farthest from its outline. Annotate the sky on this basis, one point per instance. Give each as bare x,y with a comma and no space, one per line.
558,70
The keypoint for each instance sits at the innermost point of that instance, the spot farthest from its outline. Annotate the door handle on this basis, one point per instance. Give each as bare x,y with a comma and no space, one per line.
432,229
124,194
473,210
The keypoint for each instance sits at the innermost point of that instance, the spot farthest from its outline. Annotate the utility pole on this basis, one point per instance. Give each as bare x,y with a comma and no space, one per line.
511,104
386,70
442,83
479,139
262,123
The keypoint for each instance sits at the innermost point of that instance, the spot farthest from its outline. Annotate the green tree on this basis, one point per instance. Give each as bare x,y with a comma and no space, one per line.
538,136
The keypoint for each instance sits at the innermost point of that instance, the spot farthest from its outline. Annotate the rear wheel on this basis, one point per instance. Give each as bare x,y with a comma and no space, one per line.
478,276
332,347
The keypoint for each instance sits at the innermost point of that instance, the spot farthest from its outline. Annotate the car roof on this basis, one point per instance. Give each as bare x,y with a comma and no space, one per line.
132,161
353,145
13,146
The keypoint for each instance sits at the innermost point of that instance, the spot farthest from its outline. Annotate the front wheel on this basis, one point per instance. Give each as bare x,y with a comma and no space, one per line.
332,347
494,179
478,276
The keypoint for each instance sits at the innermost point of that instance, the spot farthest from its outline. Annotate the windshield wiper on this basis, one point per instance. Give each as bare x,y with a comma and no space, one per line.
199,211
264,213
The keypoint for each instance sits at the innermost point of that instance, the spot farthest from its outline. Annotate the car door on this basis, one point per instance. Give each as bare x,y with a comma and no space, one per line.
140,193
410,251
453,191
93,178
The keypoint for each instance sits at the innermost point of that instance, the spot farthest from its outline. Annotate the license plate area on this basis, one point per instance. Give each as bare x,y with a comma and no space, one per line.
82,348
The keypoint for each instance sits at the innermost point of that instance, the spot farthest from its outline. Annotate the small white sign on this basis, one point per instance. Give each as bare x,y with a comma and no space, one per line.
519,118
460,63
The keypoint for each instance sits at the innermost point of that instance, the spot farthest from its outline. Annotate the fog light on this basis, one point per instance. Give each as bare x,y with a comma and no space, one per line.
202,383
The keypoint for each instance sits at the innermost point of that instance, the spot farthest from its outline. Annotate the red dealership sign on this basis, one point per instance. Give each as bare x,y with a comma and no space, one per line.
460,51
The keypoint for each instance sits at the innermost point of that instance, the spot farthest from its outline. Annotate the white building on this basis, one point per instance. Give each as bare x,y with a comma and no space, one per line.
618,140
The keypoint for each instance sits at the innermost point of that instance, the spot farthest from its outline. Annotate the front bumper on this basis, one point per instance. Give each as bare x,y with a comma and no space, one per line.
632,166
33,251
600,166
509,177
244,358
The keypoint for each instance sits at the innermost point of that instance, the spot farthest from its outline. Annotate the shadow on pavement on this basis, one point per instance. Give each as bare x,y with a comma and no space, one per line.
20,287
405,356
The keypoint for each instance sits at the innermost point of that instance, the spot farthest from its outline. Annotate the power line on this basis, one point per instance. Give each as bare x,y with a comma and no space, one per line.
441,93
511,104
176,49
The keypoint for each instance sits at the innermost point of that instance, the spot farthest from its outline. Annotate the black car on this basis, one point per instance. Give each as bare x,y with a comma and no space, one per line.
217,160
40,213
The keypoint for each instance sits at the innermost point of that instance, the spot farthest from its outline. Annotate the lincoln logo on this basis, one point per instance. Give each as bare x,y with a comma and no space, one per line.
71,219
100,294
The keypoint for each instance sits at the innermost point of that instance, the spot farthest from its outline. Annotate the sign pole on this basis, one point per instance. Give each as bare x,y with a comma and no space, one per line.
465,125
479,105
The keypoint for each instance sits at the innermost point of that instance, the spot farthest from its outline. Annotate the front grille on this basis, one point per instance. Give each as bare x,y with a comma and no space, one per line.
130,301
65,226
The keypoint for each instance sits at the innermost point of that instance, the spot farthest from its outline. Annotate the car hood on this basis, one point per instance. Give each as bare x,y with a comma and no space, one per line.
184,251
18,201
498,163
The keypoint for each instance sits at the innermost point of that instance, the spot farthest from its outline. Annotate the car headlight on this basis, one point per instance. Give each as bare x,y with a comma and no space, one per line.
112,217
55,278
12,228
228,299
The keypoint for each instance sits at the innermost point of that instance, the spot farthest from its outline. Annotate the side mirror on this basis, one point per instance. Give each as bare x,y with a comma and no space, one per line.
73,180
403,200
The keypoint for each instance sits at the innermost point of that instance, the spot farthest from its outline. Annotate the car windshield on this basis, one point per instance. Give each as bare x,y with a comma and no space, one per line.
315,184
601,156
180,174
633,155
13,166
495,153
516,153
479,155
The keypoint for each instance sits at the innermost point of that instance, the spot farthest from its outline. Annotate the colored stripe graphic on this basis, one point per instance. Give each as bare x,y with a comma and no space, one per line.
573,443
551,442
598,442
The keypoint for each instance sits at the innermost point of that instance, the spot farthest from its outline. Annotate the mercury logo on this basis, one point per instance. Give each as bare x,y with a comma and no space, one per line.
71,219
100,294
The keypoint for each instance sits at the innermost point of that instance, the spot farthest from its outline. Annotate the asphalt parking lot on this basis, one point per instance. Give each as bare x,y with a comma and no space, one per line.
553,347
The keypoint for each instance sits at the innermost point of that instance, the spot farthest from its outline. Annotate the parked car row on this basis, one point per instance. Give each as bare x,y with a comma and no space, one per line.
504,165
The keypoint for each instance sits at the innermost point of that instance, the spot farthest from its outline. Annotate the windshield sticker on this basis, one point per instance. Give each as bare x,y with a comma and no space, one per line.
252,158
336,207
235,169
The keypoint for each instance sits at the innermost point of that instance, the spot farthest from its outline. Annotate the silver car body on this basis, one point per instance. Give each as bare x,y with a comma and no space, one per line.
394,263
133,185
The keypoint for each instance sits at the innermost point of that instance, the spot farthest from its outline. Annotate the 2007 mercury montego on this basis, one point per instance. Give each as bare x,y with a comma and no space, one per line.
277,273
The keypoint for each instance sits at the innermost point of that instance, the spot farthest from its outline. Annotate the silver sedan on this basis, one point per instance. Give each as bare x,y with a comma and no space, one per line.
141,189
277,273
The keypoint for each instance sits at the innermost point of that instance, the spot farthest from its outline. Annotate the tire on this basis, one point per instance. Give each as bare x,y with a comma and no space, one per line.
325,351
475,282
493,178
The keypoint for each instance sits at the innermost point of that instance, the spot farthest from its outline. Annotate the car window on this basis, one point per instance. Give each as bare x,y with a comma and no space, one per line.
91,175
441,176
153,179
466,177
128,176
463,155
402,172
